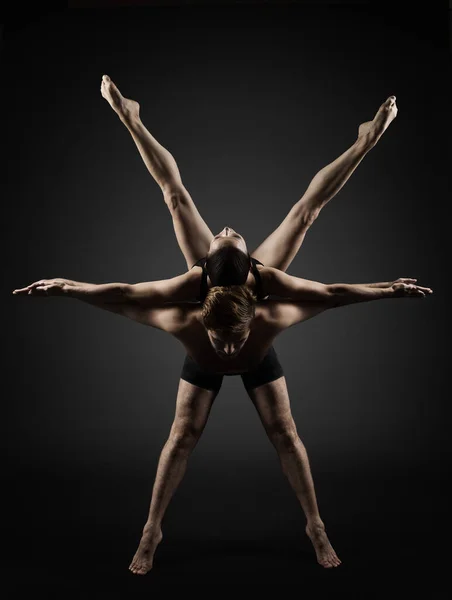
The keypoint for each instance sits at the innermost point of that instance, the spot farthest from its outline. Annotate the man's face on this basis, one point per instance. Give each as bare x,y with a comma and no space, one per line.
227,346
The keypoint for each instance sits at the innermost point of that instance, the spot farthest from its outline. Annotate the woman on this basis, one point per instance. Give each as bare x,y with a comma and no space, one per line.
230,264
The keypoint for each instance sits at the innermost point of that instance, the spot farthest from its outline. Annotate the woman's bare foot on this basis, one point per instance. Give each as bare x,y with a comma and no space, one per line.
326,556
144,556
123,107
385,115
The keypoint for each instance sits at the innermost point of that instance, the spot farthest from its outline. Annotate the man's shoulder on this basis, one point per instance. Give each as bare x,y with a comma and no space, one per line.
276,313
267,312
185,315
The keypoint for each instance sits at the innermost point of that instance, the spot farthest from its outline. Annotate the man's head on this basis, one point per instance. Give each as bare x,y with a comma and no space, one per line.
228,261
227,314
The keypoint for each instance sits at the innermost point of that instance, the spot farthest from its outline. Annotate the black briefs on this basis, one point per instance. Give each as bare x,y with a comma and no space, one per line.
268,370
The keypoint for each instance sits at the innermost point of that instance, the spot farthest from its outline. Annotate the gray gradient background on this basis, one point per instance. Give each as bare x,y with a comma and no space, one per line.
252,102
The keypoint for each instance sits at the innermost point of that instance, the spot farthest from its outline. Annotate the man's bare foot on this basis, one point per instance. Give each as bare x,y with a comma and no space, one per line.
125,108
326,556
144,556
385,115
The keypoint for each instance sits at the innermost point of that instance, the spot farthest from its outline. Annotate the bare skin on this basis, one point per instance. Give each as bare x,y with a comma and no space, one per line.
272,253
194,403
192,412
280,247
273,406
294,228
276,252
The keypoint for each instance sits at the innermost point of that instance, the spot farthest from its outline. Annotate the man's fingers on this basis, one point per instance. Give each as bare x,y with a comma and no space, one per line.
32,286
37,283
425,289
38,290
26,288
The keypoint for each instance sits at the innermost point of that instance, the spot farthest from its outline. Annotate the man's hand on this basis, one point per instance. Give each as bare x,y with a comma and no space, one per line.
46,287
407,280
402,289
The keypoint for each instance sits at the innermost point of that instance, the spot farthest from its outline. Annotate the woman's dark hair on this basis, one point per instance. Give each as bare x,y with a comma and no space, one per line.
228,266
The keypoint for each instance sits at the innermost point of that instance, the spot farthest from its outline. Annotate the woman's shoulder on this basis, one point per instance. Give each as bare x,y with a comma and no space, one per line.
265,274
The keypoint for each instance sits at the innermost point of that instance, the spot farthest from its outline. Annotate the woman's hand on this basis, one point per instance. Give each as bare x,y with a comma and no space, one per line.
46,287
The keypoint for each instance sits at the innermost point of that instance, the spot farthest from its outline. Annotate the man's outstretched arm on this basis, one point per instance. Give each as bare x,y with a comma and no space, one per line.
149,294
120,298
285,313
278,283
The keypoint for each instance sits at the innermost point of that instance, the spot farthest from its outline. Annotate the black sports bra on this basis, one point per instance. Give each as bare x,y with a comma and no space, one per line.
259,291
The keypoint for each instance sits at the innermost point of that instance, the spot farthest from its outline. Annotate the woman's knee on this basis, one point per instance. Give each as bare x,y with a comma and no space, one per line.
305,215
175,199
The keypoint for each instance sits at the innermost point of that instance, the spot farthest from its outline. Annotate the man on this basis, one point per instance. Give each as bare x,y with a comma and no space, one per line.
207,347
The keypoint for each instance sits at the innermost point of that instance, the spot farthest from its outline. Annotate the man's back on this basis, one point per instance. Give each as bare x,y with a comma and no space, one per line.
184,321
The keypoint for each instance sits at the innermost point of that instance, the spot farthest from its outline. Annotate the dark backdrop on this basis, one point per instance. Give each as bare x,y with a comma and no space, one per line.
252,101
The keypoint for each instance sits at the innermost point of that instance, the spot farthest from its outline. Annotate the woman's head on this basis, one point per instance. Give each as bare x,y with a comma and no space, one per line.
227,313
228,261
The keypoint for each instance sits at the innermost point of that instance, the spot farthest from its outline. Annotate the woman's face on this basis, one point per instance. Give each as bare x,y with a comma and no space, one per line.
228,236
227,346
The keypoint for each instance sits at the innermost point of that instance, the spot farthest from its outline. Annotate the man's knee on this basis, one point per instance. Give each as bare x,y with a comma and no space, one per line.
283,435
185,437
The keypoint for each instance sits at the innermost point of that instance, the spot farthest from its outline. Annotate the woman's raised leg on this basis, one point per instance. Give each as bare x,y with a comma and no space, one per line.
192,233
192,411
273,405
280,248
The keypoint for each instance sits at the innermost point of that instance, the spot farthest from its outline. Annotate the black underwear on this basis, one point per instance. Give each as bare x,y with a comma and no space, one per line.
268,370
